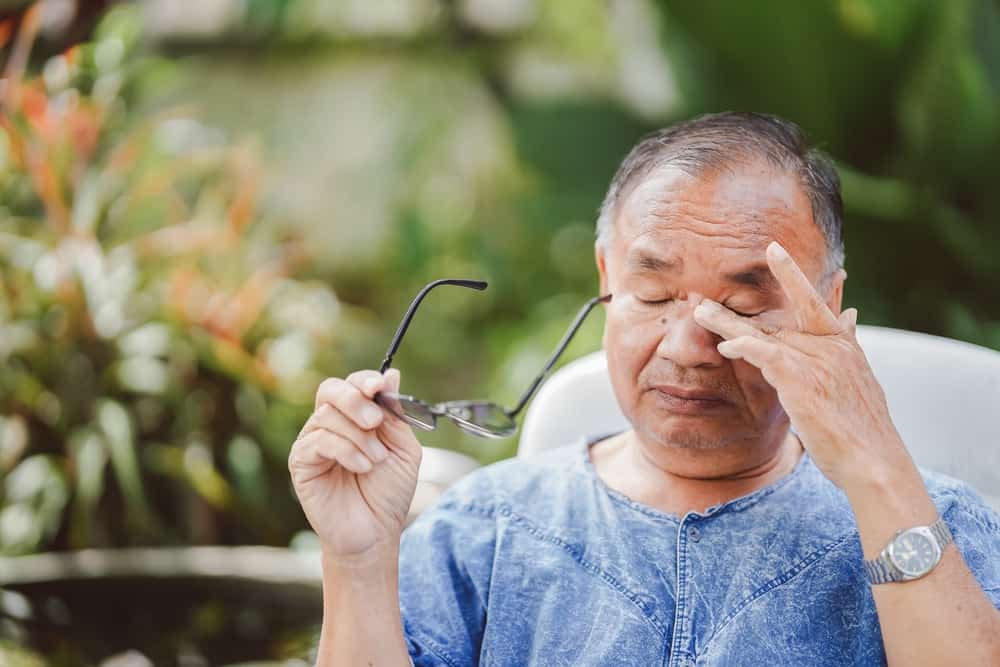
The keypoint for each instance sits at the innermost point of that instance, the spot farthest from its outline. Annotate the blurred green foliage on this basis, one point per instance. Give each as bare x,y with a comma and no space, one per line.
400,144
158,348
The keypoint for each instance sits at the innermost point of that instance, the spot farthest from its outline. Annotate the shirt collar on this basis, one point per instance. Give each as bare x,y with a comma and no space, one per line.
735,505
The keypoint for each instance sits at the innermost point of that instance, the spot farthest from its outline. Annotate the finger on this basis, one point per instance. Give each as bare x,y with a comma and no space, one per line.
334,446
849,319
367,381
392,380
332,420
349,400
313,454
392,386
720,320
811,312
303,461
765,354
394,431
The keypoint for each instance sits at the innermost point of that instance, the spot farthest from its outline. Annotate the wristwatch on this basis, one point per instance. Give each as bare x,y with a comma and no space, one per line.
910,554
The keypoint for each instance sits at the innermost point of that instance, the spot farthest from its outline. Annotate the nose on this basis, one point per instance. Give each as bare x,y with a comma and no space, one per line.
685,342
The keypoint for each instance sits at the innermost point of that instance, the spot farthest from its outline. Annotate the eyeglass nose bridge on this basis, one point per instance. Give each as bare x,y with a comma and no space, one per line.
448,410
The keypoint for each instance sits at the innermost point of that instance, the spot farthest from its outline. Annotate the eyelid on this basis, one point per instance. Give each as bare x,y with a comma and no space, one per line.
746,314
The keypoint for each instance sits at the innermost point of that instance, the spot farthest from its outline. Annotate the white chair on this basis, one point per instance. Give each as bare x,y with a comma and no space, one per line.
439,469
944,397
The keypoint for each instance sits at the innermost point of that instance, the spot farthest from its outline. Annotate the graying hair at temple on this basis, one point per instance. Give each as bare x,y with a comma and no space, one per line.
716,141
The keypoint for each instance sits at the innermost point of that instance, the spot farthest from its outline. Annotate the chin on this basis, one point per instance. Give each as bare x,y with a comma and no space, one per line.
685,432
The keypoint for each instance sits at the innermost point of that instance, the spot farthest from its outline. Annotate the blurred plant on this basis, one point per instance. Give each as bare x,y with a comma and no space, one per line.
13,655
157,346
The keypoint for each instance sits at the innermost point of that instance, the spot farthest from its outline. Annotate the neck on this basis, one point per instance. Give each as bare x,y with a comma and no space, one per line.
677,481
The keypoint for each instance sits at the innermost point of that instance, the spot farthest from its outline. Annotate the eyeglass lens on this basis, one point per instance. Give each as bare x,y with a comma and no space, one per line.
411,410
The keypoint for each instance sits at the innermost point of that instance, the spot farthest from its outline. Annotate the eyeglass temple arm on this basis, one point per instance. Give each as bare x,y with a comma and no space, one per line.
567,337
405,324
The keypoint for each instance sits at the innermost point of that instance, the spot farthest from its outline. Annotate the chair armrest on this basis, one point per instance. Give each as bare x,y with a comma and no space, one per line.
439,469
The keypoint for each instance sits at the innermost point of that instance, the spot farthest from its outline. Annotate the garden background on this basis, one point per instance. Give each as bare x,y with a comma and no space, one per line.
207,207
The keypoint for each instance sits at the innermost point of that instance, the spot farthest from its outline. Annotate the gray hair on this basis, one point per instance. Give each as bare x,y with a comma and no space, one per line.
719,140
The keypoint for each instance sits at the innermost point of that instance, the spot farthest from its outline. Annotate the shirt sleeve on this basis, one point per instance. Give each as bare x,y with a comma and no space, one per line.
975,528
445,562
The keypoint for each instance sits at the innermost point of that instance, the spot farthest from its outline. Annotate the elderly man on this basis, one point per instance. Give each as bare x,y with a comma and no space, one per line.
747,516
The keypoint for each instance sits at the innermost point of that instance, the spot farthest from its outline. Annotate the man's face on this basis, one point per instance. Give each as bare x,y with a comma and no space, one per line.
677,240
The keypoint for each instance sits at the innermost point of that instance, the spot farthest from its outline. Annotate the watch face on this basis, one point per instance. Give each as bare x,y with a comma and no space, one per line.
914,553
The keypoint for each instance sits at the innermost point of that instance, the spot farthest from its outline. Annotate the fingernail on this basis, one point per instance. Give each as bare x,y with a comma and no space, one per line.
371,384
362,462
776,250
726,349
371,415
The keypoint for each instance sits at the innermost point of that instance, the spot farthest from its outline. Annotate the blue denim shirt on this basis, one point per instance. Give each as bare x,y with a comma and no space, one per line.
538,562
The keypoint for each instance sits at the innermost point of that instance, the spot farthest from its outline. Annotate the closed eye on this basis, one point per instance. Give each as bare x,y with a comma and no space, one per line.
745,314
656,302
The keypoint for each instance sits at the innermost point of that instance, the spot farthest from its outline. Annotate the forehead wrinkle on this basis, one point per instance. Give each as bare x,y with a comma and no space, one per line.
741,226
666,214
644,256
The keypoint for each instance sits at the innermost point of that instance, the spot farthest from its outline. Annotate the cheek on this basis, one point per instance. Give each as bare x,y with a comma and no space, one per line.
627,348
760,397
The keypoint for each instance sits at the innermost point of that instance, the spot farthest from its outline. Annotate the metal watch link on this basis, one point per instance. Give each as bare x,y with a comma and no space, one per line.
912,553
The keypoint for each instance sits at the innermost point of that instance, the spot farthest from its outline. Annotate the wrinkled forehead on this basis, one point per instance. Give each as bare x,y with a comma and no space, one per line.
728,214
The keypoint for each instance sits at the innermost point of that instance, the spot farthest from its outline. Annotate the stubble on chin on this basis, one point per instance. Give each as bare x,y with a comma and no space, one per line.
683,436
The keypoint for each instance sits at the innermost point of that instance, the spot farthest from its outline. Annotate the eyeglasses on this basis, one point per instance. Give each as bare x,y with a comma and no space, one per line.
482,418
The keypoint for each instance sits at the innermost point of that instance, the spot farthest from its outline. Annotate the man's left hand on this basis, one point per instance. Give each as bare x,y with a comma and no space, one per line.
822,377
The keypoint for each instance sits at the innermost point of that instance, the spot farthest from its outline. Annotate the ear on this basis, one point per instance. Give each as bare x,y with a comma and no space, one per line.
835,296
602,272
602,268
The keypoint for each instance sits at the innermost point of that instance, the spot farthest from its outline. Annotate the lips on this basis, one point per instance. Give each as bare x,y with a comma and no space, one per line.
690,394
690,402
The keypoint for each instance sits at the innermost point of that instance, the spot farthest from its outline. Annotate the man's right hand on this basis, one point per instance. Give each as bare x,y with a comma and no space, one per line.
354,467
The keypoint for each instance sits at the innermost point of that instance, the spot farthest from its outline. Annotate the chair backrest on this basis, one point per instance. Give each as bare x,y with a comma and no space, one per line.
944,397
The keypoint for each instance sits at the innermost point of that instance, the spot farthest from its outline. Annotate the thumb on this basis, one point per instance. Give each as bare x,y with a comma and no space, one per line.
394,428
392,380
849,319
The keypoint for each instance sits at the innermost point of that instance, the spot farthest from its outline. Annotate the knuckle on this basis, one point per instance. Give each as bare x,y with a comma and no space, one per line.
773,354
358,378
770,329
294,453
329,388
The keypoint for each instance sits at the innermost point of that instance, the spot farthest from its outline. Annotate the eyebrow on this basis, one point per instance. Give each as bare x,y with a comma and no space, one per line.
756,276
646,262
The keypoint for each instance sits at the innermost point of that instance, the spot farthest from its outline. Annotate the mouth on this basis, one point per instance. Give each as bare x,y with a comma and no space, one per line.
689,401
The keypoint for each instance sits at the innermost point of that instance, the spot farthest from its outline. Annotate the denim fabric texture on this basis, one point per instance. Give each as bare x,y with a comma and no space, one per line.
538,562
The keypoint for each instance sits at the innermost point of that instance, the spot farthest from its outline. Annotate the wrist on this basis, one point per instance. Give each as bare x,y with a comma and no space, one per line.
887,501
878,467
379,559
361,616
361,586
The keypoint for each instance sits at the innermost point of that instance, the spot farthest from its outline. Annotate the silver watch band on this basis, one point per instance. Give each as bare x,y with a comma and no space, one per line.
880,569
941,532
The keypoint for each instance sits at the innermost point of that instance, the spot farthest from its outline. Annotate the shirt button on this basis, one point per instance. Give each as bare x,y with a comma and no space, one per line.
694,533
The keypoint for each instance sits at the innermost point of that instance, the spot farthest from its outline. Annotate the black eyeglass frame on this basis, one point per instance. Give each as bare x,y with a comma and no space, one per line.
454,410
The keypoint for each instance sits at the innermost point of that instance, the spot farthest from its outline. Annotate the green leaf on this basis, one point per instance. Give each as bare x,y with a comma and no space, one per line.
37,493
90,458
115,425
